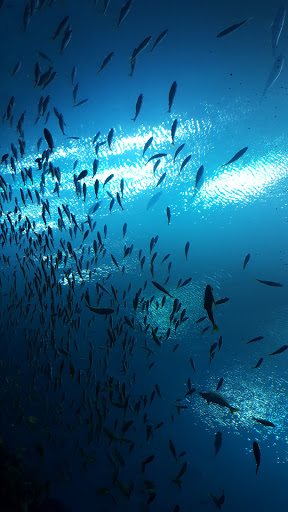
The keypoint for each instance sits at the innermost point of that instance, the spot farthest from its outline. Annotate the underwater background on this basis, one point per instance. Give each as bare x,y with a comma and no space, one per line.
105,345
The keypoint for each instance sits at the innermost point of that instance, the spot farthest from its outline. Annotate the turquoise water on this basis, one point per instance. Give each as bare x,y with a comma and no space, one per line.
69,376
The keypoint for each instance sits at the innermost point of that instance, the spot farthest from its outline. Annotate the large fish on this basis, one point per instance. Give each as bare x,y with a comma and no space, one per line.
216,398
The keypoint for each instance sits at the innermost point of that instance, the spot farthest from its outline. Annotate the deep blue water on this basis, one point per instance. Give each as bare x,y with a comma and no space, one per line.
68,374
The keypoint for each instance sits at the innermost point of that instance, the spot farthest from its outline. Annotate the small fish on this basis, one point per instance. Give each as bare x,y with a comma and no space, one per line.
279,350
185,162
161,179
269,283
16,68
236,157
178,151
49,139
192,364
266,423
141,47
277,27
230,29
187,246
109,178
218,501
168,214
154,199
60,27
208,303
147,145
162,289
101,311
123,13
154,157
110,137
274,73
172,93
82,175
105,62
172,449
258,338
159,39
257,455
199,176
173,131
138,107
200,319
80,103
247,258
258,364
222,301
220,382
218,442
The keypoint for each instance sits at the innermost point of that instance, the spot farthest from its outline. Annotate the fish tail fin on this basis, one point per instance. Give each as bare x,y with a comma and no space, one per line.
234,409
133,119
216,328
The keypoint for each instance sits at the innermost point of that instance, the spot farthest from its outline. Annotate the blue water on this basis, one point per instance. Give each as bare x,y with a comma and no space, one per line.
63,401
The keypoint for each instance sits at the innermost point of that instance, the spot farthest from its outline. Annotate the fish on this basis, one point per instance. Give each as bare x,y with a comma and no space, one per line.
159,39
138,107
158,155
187,281
220,382
208,303
147,145
141,47
178,151
110,137
80,103
258,338
187,246
185,162
266,423
277,27
105,62
279,350
147,461
258,364
154,199
269,283
236,157
218,501
200,319
230,29
173,131
123,13
49,139
199,176
247,258
82,175
162,289
192,364
274,74
161,179
168,213
257,455
218,442
60,27
101,311
66,39
216,398
173,450
109,178
16,68
222,301
172,93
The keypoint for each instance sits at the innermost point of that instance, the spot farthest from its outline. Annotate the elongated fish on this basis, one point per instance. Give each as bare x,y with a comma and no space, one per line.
236,157
269,283
199,176
247,258
162,289
257,455
123,13
101,311
105,62
154,199
138,107
230,29
279,350
266,423
274,73
216,398
159,39
277,27
172,93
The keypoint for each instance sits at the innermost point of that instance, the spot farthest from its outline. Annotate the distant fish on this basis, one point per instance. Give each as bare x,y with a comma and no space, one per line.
80,103
277,27
247,258
173,131
154,199
161,179
154,157
230,29
141,47
123,13
258,338
16,68
162,289
208,303
187,246
185,162
199,176
218,501
257,364
257,455
49,139
279,350
147,145
101,311
110,137
178,151
109,178
105,62
159,39
266,423
82,175
168,214
220,382
222,301
218,442
236,157
172,93
269,283
274,73
138,106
